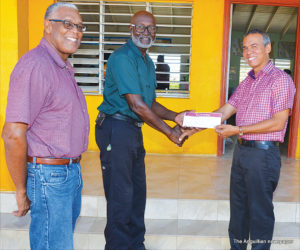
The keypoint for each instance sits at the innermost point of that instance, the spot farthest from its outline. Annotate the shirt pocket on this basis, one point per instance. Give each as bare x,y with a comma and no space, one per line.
31,180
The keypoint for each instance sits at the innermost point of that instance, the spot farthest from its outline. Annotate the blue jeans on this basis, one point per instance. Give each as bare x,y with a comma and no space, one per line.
55,195
254,177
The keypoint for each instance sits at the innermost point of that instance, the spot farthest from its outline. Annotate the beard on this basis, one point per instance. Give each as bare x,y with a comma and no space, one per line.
138,41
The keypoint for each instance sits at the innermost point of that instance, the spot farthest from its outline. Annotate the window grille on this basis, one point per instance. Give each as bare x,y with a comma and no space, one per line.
278,62
282,63
107,29
244,69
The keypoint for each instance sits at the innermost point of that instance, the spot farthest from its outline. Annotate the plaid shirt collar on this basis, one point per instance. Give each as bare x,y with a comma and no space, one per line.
266,70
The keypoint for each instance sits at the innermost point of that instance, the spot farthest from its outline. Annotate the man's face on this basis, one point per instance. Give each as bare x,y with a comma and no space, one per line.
65,41
254,51
143,39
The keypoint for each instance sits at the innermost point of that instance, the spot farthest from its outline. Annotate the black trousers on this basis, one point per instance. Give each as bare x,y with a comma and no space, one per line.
122,159
254,177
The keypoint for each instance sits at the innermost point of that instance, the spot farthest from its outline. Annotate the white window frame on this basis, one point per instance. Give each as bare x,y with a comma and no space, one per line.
98,80
278,62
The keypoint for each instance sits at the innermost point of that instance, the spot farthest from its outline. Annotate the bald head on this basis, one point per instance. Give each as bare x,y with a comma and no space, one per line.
141,15
143,30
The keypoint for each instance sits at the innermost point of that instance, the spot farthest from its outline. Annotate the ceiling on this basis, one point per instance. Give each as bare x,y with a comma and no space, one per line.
272,19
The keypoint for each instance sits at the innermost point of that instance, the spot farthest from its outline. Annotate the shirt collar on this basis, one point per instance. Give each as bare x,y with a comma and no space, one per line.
54,55
135,49
266,70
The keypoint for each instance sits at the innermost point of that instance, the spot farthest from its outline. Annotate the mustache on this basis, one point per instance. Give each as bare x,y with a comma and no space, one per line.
145,36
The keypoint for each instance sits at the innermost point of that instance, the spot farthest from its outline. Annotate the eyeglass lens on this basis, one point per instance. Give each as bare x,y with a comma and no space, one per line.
142,28
69,25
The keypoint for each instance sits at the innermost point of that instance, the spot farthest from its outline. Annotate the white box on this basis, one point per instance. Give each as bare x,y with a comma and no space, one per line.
201,120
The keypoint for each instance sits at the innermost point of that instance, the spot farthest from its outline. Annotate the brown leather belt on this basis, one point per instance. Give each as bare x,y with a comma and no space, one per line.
54,161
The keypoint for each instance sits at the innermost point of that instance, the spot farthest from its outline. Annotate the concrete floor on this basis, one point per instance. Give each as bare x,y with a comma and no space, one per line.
191,177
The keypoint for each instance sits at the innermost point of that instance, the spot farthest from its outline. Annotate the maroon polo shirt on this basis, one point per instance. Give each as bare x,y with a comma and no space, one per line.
43,93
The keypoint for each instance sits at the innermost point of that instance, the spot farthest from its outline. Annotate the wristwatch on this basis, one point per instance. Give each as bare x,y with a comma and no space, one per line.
241,133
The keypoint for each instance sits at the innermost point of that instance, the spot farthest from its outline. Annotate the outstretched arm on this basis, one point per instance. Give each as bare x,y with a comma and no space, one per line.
226,110
14,136
162,112
166,114
276,123
139,107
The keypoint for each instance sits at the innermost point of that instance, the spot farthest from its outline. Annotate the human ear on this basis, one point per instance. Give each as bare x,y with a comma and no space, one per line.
268,48
47,26
130,29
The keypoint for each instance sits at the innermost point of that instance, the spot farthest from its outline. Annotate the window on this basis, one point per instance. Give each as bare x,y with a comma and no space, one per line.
279,63
244,69
282,63
107,29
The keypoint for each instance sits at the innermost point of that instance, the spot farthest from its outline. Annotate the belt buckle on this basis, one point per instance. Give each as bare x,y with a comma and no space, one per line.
262,145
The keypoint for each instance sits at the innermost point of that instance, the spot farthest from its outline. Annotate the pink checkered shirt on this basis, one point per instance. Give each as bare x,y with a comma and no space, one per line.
259,98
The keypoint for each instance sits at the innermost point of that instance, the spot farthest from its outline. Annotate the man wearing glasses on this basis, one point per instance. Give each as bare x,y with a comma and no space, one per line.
129,101
46,131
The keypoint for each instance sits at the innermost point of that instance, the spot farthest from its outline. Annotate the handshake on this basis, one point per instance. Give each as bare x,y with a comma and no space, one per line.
180,134
189,123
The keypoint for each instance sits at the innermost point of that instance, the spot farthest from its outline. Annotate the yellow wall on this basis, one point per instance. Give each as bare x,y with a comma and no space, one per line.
16,37
36,12
205,81
8,58
205,76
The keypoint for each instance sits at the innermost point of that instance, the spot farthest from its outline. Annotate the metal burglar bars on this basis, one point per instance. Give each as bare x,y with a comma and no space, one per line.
278,62
107,29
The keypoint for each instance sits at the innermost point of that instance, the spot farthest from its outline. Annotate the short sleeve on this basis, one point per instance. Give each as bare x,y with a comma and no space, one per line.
125,74
27,93
283,91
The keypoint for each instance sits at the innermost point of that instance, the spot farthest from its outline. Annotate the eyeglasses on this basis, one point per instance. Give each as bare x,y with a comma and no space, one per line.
139,28
69,25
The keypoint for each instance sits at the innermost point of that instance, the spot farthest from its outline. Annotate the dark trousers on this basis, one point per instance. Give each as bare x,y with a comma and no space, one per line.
254,177
122,159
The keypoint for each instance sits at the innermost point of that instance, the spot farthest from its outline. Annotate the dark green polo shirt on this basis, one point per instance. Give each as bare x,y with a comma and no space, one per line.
127,72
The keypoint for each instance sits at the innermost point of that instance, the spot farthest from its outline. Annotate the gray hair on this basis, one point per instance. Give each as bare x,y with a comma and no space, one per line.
265,36
53,7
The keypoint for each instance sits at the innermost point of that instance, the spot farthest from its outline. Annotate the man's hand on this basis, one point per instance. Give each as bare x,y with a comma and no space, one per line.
179,117
275,123
226,130
187,132
175,134
23,204
179,130
15,142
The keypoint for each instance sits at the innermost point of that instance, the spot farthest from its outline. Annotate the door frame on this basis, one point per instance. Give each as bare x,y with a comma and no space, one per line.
294,122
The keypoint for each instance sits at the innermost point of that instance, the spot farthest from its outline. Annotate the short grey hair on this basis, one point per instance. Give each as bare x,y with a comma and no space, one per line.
265,36
53,7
